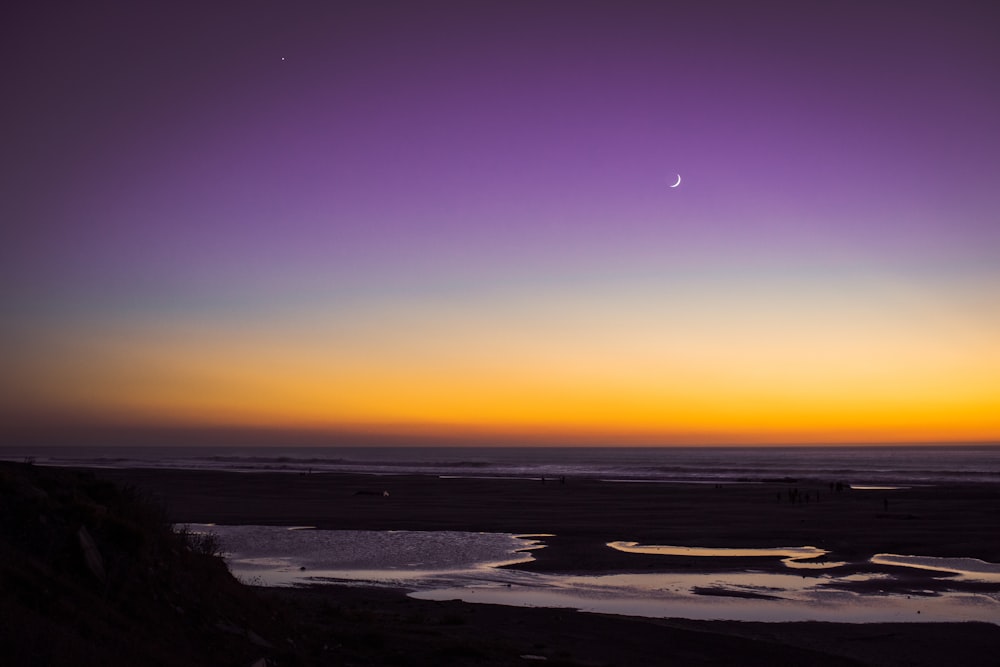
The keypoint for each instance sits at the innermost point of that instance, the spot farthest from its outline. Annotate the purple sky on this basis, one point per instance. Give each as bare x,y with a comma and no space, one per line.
237,162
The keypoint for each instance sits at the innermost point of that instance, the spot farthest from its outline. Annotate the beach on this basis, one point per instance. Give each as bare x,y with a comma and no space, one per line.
580,516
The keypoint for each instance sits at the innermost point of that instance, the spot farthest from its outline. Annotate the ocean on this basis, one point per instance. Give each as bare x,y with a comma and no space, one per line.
856,465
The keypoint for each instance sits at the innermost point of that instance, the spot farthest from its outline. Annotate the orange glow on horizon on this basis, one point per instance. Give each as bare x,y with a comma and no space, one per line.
523,372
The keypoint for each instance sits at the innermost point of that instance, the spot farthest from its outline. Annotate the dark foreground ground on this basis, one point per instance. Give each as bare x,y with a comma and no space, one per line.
585,514
167,602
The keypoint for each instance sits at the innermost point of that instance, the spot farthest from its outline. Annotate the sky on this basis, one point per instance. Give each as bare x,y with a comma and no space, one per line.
411,222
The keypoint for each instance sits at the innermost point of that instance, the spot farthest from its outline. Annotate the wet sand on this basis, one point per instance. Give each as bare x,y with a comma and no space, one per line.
584,514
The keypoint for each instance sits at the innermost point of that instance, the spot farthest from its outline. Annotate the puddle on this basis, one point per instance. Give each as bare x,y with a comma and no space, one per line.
738,597
287,556
449,565
966,569
793,557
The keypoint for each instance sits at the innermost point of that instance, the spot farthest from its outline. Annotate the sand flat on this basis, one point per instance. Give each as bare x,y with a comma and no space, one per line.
583,515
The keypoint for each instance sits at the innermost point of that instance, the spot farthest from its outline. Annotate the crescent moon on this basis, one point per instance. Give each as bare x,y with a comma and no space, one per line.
678,181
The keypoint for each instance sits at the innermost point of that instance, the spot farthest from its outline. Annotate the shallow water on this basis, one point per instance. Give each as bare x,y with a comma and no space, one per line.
281,556
966,569
802,558
447,565
673,596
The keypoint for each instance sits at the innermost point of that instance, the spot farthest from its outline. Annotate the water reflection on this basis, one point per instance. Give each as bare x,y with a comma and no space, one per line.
448,565
967,569
793,557
670,596
283,556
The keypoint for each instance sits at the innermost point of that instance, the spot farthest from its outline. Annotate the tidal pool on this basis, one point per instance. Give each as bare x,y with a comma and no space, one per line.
749,597
448,565
287,556
794,557
966,569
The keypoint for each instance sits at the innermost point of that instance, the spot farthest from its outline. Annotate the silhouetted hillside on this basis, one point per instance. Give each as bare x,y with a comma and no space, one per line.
92,574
